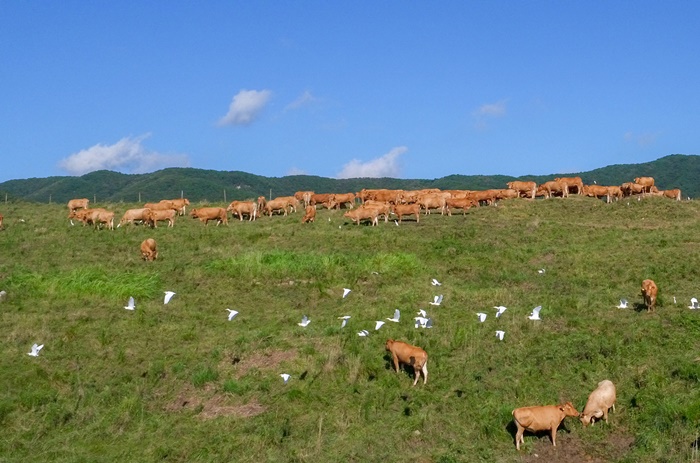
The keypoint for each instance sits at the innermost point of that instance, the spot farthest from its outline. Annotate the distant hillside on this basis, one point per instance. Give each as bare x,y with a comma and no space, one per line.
674,171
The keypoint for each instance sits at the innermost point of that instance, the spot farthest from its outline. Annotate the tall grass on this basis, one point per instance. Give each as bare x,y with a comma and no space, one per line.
178,382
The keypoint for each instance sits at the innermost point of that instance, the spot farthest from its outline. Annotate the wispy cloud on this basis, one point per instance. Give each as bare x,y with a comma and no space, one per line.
641,139
296,171
489,111
384,166
128,154
245,107
304,99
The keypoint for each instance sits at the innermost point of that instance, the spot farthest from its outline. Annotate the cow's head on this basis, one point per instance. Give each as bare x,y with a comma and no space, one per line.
389,344
569,409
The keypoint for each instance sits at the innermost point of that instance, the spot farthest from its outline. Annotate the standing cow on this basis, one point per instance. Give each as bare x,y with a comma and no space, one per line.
541,418
649,293
402,352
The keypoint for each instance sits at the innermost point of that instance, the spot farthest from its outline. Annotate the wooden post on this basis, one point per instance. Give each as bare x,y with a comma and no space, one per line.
49,199
224,195
139,196
94,199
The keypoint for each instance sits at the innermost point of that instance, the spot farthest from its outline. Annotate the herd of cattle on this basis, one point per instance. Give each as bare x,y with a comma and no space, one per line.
374,204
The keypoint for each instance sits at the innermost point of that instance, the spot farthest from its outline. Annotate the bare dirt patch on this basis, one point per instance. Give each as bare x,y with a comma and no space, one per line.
210,404
240,365
573,449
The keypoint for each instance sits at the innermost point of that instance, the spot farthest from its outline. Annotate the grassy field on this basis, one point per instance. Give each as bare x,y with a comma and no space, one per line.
180,383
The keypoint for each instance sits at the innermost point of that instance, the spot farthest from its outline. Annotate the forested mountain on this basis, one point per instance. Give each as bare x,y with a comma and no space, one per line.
674,171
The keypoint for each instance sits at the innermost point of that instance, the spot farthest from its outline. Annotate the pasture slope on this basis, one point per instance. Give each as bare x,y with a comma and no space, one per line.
181,383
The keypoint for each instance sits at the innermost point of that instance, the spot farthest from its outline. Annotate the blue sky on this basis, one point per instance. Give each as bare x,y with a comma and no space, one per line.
346,89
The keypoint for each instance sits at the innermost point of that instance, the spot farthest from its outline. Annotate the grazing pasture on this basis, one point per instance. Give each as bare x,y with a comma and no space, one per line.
182,383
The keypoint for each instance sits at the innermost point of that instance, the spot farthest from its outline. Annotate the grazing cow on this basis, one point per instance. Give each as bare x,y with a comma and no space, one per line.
615,192
361,213
75,204
597,191
629,189
541,418
241,208
401,210
460,203
261,203
556,186
153,217
673,194
310,215
163,205
292,202
205,214
572,183
649,293
132,215
148,249
320,198
180,203
432,201
487,196
84,215
409,355
338,200
277,204
599,402
383,208
528,188
645,182
100,216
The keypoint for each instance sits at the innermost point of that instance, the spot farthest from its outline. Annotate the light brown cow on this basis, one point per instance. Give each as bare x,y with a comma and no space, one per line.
292,202
528,188
74,204
673,194
407,354
615,192
541,418
163,205
645,182
304,197
361,213
460,203
133,215
572,184
649,293
400,210
487,196
261,204
205,214
310,214
599,402
84,215
390,196
629,189
338,200
597,191
153,217
432,201
241,208
383,208
149,249
100,216
556,186
320,198
180,203
277,204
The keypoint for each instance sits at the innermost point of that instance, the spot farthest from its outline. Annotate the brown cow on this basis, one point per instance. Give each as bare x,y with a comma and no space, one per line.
153,217
261,203
277,204
629,189
673,194
304,197
432,201
401,210
649,293
84,215
383,208
310,215
205,214
645,182
363,212
292,202
599,402
572,183
74,204
524,187
409,355
163,205
338,200
132,215
556,186
615,192
541,418
320,198
100,216
460,203
241,208
597,191
148,249
180,203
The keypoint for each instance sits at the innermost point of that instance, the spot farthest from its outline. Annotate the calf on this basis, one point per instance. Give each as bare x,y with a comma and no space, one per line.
148,249
409,355
541,418
310,215
600,400
649,292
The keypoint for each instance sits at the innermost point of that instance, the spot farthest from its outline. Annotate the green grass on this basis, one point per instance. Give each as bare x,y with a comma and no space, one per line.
178,382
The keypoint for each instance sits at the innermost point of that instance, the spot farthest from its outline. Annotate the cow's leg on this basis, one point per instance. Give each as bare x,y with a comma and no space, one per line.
554,436
519,436
425,372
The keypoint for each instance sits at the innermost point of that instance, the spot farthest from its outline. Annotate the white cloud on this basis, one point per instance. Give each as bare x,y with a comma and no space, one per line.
296,171
642,139
245,107
488,111
304,99
384,166
127,154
